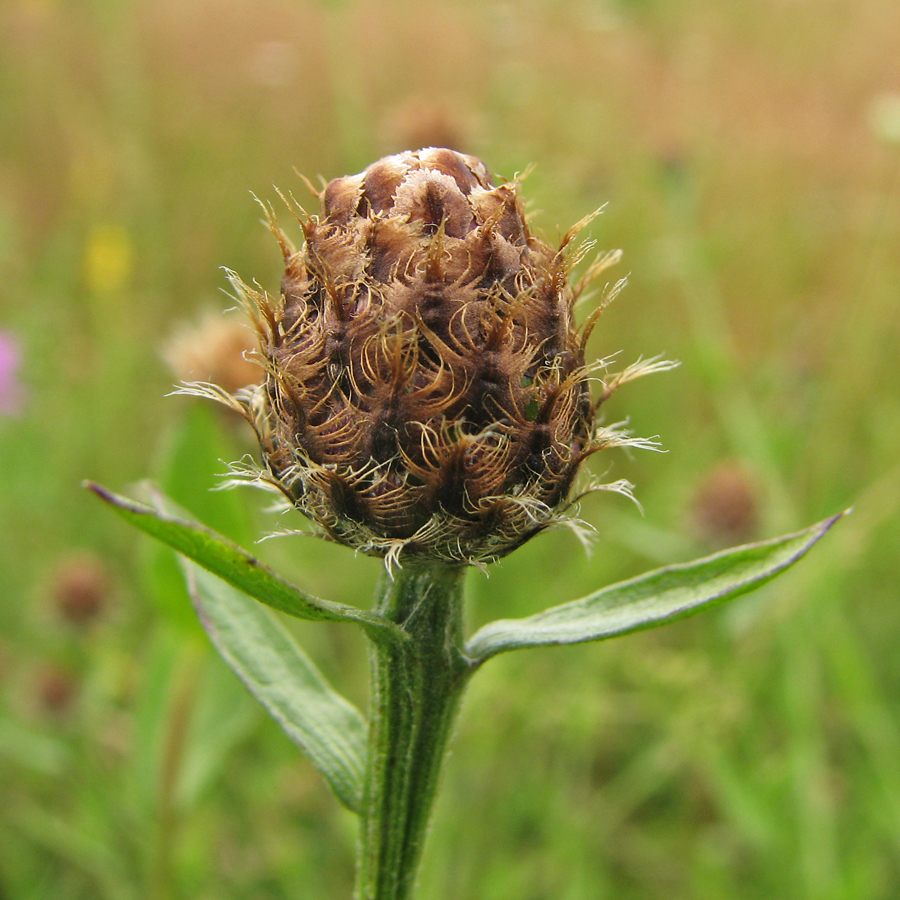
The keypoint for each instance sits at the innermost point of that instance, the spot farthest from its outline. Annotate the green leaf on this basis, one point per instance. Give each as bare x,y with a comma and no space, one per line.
650,600
276,671
222,715
151,715
239,568
188,469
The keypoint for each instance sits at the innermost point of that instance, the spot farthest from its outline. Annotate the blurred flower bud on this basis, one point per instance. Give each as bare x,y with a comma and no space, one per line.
426,389
423,121
215,349
81,589
56,688
726,506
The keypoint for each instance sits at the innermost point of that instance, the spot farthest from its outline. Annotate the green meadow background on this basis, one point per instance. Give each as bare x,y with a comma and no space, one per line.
748,154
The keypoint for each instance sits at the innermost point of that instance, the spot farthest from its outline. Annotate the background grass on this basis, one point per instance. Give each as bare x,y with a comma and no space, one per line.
745,151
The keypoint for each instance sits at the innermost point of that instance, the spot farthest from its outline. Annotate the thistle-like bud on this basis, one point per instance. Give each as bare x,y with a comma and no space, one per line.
426,391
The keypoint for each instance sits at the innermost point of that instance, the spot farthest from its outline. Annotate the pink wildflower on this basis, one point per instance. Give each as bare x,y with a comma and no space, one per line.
10,387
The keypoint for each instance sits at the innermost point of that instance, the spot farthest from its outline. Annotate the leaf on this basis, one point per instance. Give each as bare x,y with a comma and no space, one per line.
275,670
188,469
222,715
650,600
239,568
151,715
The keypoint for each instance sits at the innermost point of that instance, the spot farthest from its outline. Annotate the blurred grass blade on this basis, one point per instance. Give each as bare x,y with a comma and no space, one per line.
238,567
222,716
43,754
80,847
188,469
650,600
266,658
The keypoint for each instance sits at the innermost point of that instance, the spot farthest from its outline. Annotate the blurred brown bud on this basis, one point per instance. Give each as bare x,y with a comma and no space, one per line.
215,349
425,121
56,688
726,506
81,588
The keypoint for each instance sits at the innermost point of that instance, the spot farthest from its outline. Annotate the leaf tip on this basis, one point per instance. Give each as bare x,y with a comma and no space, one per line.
828,523
99,490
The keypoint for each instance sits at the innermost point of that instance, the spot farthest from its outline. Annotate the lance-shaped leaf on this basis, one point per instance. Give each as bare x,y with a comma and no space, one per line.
328,728
239,568
649,600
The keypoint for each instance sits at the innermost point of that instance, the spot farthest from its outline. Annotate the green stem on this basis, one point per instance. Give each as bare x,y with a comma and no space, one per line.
168,822
416,689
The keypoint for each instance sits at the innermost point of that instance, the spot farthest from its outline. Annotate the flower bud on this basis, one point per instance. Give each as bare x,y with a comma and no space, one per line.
81,588
426,391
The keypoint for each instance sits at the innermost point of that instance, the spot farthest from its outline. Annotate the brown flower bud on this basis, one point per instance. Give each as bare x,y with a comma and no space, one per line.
56,688
213,349
726,506
426,391
81,588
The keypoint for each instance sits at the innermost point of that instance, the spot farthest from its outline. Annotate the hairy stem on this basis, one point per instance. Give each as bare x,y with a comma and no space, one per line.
416,690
